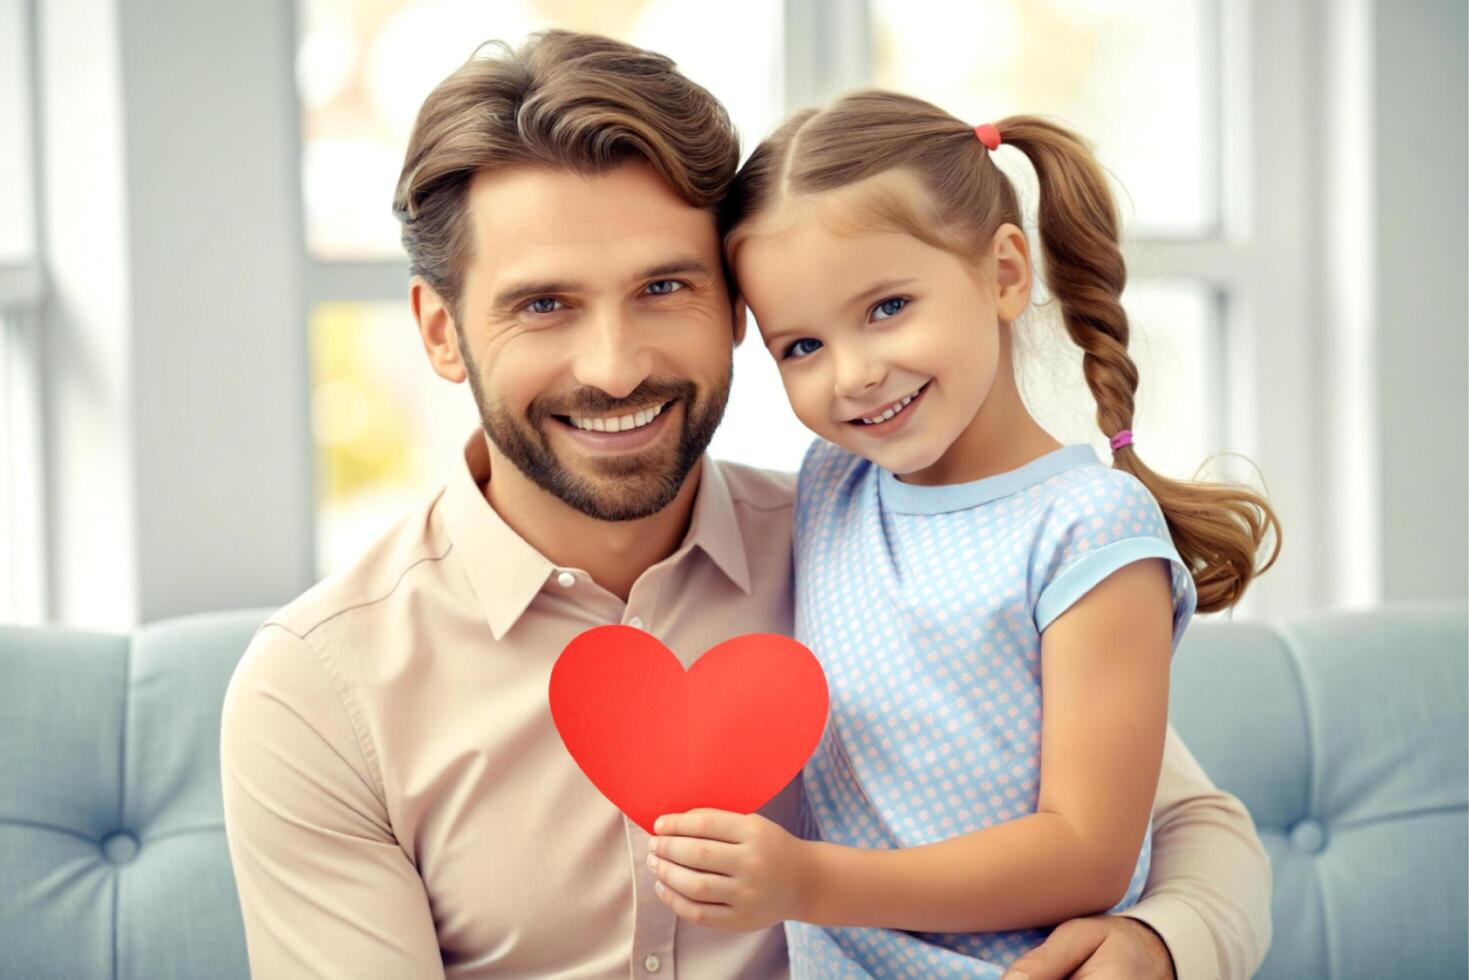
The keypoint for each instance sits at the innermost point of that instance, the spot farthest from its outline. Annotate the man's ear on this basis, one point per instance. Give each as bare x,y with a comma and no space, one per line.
741,320
1012,272
436,328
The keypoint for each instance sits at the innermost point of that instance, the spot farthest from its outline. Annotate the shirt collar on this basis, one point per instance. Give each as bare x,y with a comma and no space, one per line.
914,498
715,527
507,573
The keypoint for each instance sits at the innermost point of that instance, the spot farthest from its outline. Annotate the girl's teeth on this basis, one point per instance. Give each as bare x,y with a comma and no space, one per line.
892,411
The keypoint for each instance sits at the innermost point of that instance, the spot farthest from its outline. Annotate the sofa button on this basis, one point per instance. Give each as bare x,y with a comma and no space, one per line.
120,847
1308,836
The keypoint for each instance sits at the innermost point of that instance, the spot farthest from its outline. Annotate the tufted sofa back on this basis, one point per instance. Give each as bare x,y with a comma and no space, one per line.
1343,734
113,860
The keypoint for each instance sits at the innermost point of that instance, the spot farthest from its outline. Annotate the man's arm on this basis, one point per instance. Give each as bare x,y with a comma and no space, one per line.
1208,891
325,889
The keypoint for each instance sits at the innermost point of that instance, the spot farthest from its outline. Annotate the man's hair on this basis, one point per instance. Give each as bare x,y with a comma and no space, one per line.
576,102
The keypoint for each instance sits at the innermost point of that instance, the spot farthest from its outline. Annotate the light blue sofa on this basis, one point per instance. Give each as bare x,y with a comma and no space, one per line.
1344,734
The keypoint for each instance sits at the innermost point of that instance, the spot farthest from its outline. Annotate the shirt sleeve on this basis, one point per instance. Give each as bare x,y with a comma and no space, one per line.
1208,890
325,889
1092,531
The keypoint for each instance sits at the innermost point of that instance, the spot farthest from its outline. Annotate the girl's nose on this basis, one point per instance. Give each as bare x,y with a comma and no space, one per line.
857,375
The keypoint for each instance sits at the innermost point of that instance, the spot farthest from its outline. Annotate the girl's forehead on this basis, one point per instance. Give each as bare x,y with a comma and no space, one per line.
817,239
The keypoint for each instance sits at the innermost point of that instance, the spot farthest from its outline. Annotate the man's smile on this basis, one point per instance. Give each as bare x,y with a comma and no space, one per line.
619,434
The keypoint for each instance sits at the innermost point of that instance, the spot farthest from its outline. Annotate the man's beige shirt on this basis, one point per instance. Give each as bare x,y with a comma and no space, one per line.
398,802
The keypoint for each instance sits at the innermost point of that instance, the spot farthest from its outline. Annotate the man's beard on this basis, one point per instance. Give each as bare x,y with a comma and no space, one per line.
631,487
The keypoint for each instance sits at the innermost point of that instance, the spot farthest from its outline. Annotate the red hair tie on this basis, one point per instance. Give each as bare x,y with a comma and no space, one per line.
988,135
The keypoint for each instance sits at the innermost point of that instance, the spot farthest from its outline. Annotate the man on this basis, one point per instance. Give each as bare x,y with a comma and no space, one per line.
398,802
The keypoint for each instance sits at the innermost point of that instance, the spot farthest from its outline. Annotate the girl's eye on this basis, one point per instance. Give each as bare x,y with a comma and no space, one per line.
664,286
545,304
888,307
803,348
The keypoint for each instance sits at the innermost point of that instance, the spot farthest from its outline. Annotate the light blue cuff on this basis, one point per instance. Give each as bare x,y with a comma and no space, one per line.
1083,574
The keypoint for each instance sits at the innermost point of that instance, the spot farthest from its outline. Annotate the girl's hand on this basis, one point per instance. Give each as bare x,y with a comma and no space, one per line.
730,871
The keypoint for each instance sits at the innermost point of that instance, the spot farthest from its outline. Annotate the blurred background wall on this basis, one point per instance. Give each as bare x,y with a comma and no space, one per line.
213,391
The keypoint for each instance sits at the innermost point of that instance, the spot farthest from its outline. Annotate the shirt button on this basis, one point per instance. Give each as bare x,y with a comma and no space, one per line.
635,623
651,963
566,580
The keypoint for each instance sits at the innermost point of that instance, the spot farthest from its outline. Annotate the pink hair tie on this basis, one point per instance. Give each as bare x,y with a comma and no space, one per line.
988,135
1123,438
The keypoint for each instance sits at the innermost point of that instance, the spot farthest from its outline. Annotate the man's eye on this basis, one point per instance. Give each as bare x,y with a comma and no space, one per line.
664,286
803,348
545,304
888,307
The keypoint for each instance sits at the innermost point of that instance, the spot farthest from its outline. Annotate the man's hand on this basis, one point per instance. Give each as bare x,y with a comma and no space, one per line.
1102,947
729,871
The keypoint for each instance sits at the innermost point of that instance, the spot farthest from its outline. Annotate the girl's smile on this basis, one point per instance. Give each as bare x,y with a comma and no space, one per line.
890,418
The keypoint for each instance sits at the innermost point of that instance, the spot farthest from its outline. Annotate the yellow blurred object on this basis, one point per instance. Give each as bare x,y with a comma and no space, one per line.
361,437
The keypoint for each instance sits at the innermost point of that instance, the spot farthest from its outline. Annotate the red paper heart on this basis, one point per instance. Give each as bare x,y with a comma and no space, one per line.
730,732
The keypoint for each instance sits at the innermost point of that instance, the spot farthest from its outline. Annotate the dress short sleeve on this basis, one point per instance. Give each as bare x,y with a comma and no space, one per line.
1105,521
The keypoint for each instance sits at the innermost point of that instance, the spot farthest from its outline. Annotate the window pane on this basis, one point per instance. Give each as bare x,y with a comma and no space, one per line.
364,68
384,423
1138,78
1177,419
17,227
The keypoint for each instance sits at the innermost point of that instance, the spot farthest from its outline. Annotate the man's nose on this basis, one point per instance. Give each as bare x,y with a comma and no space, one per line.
857,373
611,355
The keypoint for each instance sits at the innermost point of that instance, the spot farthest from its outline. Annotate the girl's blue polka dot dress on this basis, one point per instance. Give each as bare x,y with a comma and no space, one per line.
925,606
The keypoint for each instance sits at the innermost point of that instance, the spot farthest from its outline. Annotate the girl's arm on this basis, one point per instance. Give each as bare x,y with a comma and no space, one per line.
1104,676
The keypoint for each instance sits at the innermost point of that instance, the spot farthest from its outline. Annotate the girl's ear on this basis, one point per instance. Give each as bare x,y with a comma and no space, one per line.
1012,271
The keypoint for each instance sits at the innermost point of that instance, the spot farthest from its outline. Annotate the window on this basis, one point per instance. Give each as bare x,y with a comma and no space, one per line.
383,421
364,68
1137,79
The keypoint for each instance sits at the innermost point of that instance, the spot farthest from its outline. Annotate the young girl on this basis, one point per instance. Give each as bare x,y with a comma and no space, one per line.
995,612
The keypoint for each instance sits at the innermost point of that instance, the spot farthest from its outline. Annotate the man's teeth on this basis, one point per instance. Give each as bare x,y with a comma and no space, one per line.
892,411
620,424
